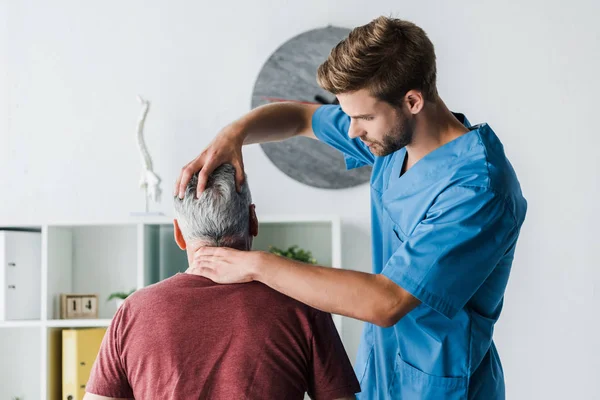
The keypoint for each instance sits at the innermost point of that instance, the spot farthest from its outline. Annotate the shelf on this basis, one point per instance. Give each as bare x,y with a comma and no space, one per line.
90,259
20,324
102,257
77,323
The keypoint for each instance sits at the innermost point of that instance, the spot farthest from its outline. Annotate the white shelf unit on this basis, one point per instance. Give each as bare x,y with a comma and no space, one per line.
104,257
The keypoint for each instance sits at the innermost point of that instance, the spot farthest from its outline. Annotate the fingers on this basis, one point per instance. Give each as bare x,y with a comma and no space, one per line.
205,172
186,176
239,174
206,251
213,256
222,149
218,252
177,182
207,258
206,167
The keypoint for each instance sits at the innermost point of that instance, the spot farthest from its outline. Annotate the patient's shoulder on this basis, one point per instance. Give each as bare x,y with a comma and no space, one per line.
166,288
273,300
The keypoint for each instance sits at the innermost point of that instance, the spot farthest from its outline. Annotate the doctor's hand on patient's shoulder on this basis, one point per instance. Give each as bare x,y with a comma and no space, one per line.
226,147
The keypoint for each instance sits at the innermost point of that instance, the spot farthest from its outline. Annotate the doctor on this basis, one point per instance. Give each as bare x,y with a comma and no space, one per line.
446,213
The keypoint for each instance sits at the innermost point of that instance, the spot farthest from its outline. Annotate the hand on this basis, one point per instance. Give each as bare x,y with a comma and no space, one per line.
225,265
226,147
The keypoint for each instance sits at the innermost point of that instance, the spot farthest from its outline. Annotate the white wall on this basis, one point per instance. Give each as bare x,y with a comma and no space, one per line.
69,74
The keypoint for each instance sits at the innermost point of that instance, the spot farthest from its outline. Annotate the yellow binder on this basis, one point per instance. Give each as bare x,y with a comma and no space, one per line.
79,351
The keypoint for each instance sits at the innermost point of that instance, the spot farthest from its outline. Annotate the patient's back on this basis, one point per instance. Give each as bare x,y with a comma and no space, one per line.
187,337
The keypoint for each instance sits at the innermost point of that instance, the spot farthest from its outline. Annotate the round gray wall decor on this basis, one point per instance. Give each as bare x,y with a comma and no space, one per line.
290,75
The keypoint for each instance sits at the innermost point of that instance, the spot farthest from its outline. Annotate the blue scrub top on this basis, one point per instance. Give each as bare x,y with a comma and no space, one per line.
446,232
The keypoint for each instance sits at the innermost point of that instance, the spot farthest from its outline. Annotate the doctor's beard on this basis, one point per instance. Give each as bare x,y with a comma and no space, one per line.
399,136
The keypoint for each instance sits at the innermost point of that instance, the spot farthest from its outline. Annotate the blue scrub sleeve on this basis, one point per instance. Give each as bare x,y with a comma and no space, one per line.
330,125
451,253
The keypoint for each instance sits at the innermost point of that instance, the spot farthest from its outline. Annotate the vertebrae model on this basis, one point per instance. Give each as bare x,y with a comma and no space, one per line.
150,182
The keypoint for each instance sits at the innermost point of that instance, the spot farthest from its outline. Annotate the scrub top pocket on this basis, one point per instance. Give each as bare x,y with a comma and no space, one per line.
410,383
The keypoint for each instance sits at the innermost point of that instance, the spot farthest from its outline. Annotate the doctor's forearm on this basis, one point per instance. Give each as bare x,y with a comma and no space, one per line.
367,297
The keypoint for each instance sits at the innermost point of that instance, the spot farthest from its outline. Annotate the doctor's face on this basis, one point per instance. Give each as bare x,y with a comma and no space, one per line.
384,128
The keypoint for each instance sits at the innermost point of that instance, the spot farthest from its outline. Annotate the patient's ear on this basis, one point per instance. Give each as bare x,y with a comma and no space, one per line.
178,236
253,221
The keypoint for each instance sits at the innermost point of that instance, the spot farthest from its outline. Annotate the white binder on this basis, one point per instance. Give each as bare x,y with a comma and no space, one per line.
20,275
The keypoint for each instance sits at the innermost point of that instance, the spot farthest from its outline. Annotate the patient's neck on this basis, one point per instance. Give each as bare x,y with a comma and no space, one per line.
194,245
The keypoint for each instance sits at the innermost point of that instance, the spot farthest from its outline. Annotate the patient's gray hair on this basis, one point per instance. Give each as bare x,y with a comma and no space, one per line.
220,217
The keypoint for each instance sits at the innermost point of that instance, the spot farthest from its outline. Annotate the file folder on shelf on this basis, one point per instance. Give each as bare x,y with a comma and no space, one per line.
79,351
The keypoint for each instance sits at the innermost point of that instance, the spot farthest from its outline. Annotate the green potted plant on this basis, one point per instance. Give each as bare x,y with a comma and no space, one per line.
295,253
120,297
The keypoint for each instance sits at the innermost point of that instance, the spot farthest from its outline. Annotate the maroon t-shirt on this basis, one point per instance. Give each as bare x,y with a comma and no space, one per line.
189,338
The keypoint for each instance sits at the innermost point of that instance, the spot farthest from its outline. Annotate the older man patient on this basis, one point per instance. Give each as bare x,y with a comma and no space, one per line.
189,338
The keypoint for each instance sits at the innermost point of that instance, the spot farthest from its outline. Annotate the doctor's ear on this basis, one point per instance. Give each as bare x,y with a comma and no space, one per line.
414,101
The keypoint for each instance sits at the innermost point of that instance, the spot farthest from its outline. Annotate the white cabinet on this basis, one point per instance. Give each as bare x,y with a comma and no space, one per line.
20,275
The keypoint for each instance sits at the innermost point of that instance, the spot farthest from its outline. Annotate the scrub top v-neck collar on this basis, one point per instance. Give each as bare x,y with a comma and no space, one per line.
432,166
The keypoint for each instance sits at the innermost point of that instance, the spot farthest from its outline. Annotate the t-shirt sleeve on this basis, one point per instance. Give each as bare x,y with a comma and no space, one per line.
451,253
332,375
330,125
108,377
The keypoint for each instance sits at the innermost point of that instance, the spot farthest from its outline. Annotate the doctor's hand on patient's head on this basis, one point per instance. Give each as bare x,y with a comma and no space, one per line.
226,147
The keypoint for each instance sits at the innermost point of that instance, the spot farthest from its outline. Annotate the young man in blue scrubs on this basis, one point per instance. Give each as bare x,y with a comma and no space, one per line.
446,211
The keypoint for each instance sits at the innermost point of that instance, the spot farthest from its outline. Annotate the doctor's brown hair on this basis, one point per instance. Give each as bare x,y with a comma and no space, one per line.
387,56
